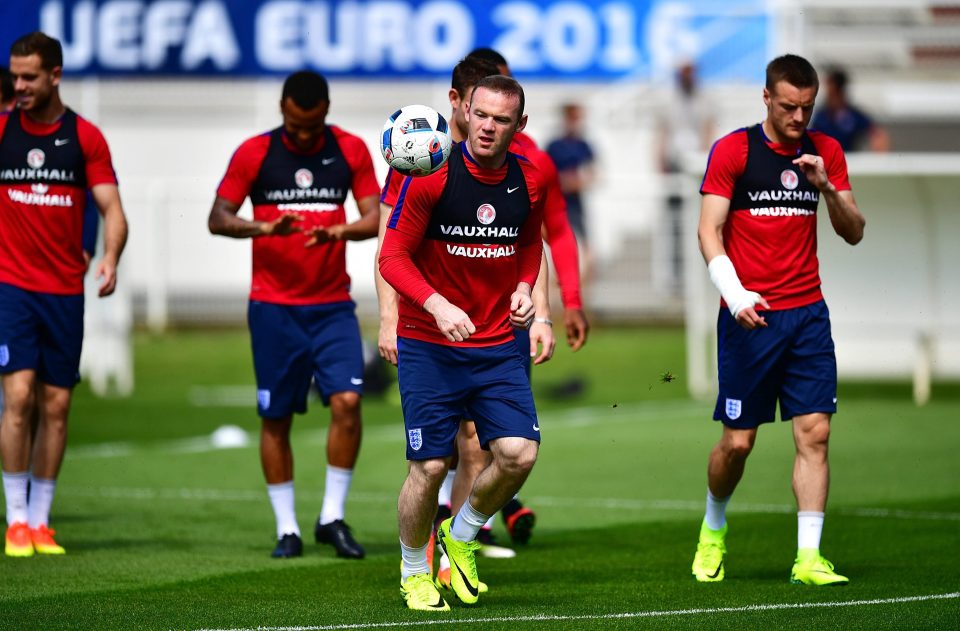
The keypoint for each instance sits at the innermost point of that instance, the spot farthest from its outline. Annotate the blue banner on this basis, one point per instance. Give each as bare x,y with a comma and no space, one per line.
548,39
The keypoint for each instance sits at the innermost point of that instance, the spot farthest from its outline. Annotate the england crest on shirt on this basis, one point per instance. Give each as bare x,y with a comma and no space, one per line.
263,399
789,179
415,438
4,354
733,409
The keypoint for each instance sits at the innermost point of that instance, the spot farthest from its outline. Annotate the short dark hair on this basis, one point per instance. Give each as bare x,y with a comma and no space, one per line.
839,78
504,85
306,88
793,69
49,49
469,71
490,55
6,85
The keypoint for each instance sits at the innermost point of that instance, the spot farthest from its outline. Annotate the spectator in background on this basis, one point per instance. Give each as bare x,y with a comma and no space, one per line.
574,158
7,100
686,125
844,121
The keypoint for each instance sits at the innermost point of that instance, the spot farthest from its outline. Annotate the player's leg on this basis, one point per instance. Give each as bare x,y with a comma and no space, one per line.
48,449
809,397
337,354
276,459
811,481
282,368
501,404
749,376
343,446
19,401
416,508
431,393
61,322
472,460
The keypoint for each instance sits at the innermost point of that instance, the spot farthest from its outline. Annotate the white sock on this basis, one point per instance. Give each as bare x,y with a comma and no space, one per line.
41,498
281,497
716,516
444,562
15,490
446,489
489,524
335,493
809,528
467,523
414,560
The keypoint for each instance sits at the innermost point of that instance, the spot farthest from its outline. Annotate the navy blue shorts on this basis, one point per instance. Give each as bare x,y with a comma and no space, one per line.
522,338
41,332
294,343
791,360
441,385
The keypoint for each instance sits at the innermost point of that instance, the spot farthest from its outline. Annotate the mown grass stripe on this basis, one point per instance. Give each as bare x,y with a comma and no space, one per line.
610,616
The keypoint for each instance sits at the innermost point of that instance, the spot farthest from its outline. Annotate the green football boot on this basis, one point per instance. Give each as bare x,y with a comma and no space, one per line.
463,563
811,568
421,593
708,562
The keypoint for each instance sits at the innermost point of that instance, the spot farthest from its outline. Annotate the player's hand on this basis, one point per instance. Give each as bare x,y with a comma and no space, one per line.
575,321
812,167
387,339
541,335
325,234
107,271
283,225
748,318
452,321
521,309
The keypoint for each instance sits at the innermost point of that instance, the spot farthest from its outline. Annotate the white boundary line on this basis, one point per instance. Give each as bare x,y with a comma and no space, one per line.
609,616
602,503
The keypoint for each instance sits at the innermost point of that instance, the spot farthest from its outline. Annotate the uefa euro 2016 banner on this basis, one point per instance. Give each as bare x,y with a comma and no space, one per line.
576,39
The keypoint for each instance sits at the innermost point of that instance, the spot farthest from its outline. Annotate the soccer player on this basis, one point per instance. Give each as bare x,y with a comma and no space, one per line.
758,235
49,157
457,355
301,317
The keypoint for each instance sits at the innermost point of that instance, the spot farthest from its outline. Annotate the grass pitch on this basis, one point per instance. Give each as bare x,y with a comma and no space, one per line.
163,531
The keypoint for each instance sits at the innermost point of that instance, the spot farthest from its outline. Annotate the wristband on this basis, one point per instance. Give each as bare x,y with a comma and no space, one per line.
725,279
546,321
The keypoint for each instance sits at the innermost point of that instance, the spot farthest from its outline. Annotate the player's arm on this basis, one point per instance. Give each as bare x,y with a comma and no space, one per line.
225,221
566,259
386,298
541,331
363,228
845,216
107,199
714,211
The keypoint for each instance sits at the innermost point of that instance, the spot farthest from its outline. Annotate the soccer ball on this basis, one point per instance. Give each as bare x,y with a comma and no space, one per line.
416,140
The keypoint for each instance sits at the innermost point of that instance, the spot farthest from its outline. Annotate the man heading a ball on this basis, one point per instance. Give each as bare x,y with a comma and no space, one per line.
461,297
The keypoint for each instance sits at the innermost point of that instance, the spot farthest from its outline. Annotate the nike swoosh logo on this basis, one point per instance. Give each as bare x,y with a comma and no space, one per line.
356,381
327,161
59,142
510,190
717,572
474,591
439,604
536,427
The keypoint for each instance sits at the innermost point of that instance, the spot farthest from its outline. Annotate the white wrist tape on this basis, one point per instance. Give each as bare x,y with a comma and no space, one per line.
725,279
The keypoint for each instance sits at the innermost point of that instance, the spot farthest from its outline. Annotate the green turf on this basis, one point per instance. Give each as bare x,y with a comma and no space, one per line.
164,533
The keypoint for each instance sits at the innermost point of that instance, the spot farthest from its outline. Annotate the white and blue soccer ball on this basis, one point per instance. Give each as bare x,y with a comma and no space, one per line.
416,140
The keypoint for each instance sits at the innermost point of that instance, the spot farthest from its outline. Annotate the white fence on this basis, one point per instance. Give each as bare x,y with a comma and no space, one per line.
894,298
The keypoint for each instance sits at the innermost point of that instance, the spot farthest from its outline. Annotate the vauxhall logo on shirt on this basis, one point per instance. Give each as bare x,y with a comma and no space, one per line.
34,171
790,181
304,190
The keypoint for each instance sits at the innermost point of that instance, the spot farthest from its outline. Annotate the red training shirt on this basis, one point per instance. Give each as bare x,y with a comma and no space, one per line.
284,270
773,249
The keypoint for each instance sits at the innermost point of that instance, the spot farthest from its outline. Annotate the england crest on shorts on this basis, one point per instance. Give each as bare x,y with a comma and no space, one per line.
263,399
733,409
415,438
4,354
